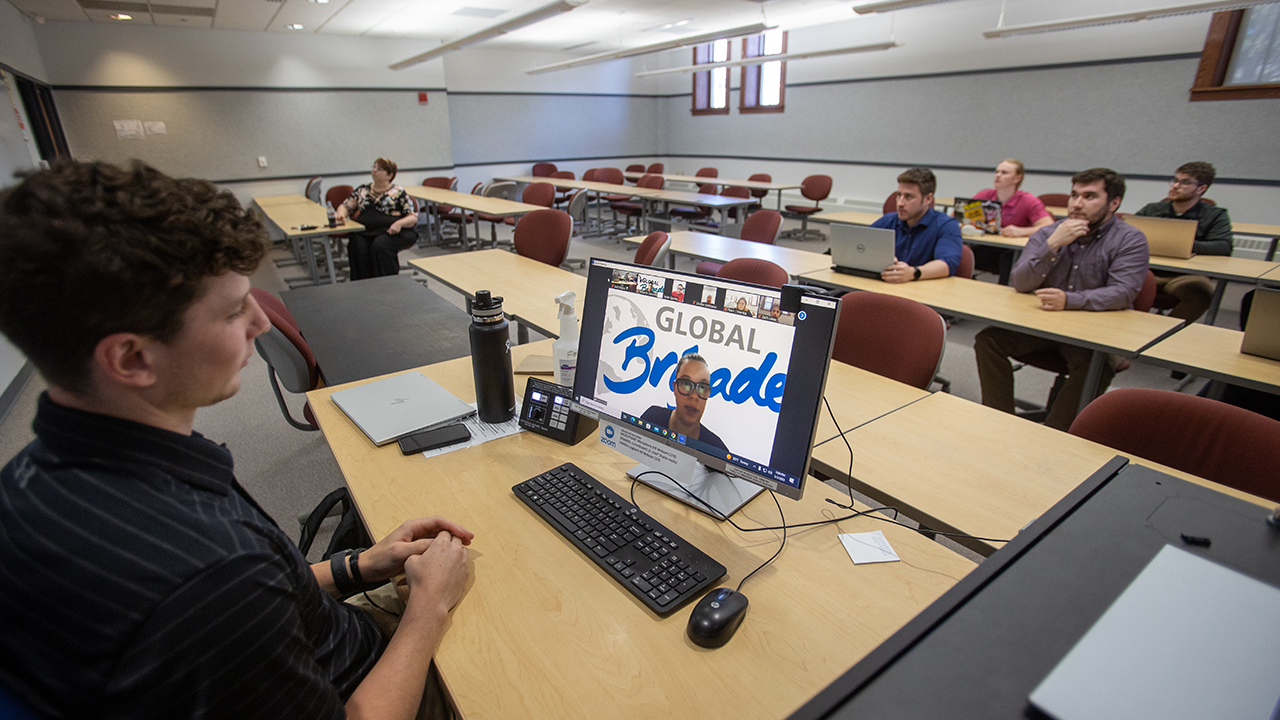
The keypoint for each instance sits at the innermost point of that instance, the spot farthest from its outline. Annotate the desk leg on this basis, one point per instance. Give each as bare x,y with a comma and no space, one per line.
1218,292
1216,389
1006,266
779,199
522,333
1092,379
328,258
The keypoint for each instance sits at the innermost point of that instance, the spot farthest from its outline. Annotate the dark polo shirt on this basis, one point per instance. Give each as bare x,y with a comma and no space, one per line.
139,579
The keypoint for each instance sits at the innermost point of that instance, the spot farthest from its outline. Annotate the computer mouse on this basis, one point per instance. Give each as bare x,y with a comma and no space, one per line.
716,617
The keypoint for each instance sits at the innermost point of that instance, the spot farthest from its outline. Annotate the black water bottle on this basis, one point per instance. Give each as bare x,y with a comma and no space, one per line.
491,360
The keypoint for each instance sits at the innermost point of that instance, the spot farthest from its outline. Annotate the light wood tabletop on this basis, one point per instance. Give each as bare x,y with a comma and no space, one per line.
858,396
958,466
1223,267
280,200
528,287
291,213
1255,229
588,185
707,246
542,633
852,217
696,180
477,203
1214,352
1271,278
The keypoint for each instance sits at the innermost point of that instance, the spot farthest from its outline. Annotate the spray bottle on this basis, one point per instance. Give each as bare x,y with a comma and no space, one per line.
564,351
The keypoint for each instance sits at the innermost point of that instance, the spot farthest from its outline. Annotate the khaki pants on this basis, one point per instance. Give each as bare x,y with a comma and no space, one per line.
1193,292
436,703
993,348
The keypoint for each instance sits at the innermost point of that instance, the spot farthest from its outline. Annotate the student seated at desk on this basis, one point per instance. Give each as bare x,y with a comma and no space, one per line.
926,242
1092,260
388,216
141,579
1194,293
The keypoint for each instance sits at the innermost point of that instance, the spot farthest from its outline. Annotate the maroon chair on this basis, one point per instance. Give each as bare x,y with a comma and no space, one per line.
1055,199
753,270
890,336
543,194
762,227
337,195
759,195
288,356
890,204
635,169
543,235
562,193
966,262
816,188
1207,438
590,175
543,169
1053,362
631,209
654,249
707,172
655,168
440,181
694,215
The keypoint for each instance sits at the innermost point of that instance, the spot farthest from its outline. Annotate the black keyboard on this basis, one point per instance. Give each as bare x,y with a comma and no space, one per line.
653,563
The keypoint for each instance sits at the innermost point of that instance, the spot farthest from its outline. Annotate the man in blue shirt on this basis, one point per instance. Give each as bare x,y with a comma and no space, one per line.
926,242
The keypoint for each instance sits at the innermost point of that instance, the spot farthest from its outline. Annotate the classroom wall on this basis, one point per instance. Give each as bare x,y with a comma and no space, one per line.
18,48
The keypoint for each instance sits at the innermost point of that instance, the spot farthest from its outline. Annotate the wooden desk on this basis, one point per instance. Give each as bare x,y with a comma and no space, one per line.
1270,278
856,397
291,212
1119,332
958,466
363,329
695,180
705,246
1214,352
541,633
851,217
435,197
1222,268
528,287
1271,231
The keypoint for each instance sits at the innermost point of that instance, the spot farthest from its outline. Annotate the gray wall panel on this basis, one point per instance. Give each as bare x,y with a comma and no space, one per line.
218,134
519,127
1131,116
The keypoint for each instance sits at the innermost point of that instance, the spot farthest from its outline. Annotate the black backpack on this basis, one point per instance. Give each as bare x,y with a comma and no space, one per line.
350,532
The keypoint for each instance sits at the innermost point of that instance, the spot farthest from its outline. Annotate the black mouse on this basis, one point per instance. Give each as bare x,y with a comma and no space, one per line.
716,617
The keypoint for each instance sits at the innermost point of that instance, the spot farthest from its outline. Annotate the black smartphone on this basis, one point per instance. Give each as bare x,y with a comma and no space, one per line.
434,438
306,227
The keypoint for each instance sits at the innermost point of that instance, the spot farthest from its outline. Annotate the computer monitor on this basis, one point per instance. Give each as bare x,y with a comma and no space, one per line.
690,374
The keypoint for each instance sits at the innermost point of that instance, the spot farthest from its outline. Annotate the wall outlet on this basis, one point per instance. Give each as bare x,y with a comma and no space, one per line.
262,161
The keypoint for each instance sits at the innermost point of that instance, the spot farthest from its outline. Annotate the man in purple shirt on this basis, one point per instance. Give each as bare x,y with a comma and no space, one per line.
1090,261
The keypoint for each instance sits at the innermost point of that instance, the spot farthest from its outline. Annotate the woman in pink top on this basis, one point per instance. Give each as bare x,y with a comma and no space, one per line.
1021,213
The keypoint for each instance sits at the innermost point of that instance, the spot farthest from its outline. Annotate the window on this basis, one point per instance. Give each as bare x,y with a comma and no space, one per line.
711,87
1241,58
763,85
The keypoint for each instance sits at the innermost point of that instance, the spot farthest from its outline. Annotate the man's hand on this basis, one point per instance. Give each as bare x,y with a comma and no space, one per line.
1068,232
441,571
412,538
898,272
1052,299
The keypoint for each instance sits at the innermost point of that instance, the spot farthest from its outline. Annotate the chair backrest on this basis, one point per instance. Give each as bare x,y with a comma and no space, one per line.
283,347
890,203
737,192
655,168
1147,295
895,337
478,188
577,207
590,175
539,194
543,169
505,190
543,235
760,177
635,168
966,262
562,174
444,183
611,175
816,187
1207,438
1055,199
337,195
708,189
754,270
762,226
652,182
313,190
707,172
654,249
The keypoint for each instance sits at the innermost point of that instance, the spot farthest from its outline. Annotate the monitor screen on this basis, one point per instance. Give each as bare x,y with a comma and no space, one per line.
710,367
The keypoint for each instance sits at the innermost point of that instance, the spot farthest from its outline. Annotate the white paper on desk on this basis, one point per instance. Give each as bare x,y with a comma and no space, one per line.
482,432
868,547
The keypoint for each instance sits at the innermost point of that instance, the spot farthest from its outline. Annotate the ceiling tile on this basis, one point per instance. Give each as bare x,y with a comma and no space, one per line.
190,21
250,15
104,16
51,9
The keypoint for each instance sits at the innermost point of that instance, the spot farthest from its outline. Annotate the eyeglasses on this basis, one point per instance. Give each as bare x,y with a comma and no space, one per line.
686,388
1185,182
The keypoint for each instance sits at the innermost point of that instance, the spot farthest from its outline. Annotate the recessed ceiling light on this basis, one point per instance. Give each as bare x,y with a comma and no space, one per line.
682,22
294,26
121,16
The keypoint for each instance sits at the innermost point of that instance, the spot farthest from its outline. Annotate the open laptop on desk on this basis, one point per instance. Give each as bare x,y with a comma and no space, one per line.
982,214
860,250
1262,333
1166,237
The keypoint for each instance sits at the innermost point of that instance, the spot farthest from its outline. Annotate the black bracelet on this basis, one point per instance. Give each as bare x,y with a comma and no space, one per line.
341,578
355,565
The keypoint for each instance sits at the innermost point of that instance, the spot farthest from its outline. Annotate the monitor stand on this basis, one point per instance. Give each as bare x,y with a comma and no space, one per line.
727,495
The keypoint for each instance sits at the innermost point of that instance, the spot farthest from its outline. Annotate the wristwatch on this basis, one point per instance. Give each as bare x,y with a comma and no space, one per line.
917,269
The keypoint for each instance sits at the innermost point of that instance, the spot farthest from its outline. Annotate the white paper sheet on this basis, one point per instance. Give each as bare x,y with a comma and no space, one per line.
482,432
868,547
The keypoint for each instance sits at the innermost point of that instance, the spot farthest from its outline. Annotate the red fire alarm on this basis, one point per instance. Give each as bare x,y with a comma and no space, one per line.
422,98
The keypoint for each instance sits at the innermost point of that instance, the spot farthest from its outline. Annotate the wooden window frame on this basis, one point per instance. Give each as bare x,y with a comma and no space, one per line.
1219,44
708,110
757,70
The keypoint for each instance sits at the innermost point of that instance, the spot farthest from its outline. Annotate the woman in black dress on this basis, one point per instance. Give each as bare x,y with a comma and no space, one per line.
388,216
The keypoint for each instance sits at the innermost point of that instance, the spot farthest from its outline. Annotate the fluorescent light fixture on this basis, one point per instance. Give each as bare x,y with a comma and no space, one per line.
891,5
656,47
294,26
1134,16
319,2
538,14
770,58
121,16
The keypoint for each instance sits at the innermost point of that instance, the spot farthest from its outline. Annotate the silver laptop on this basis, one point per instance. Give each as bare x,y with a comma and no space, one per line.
861,250
393,407
1167,237
1262,332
